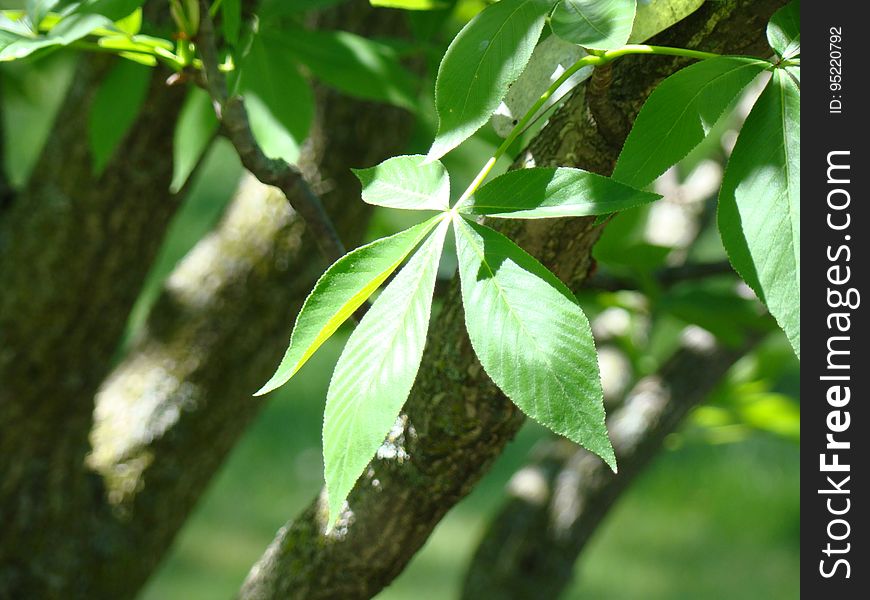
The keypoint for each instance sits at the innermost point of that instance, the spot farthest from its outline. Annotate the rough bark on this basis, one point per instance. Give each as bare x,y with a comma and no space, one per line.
557,501
75,249
457,421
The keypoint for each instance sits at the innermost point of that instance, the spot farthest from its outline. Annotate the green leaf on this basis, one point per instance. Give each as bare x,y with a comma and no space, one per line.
654,16
784,30
339,292
482,61
531,336
679,114
278,99
375,373
131,24
114,10
231,20
759,203
601,24
406,182
543,192
357,66
196,127
116,104
37,9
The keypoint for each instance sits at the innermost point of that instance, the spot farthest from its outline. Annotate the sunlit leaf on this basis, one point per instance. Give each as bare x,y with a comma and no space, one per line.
679,114
482,61
553,192
278,99
602,24
406,182
376,371
339,292
531,337
759,203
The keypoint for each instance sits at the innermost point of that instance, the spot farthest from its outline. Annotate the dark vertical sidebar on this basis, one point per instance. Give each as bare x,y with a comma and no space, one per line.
835,260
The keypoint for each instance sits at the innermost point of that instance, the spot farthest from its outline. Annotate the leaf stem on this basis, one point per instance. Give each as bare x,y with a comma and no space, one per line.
597,59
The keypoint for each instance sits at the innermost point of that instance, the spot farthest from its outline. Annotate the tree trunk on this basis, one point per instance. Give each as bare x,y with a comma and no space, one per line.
75,250
457,420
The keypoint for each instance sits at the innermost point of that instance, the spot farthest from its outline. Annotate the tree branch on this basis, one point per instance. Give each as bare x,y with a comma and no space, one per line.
457,421
558,500
233,116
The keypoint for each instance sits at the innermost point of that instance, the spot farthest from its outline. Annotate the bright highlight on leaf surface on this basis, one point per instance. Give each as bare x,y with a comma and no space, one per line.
759,203
553,192
487,56
531,337
376,371
406,182
339,292
679,114
784,30
600,24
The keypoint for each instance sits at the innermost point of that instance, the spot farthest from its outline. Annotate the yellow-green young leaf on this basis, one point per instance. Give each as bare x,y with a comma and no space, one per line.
278,99
543,192
375,373
482,61
679,114
116,104
407,182
411,4
601,24
531,337
784,30
759,203
339,292
131,24
194,130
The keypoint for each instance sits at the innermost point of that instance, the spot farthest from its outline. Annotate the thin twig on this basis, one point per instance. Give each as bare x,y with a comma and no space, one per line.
236,127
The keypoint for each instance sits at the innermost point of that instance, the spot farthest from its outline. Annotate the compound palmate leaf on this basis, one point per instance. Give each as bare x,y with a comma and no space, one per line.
542,192
407,182
759,203
600,24
531,336
482,61
376,371
339,292
679,114
784,30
